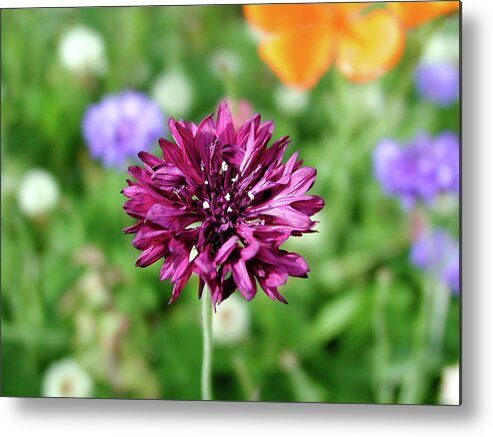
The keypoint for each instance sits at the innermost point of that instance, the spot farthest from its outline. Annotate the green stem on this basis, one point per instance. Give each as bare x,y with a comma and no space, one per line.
428,340
413,381
383,388
206,385
439,320
244,378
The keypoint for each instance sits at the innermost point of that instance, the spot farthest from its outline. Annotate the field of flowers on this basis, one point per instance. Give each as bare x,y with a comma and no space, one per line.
369,96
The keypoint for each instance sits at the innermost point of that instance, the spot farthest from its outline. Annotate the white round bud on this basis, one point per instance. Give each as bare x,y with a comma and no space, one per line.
66,379
231,321
173,92
81,51
38,193
290,101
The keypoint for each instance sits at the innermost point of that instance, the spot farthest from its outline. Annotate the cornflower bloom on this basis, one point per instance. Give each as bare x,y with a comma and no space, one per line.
219,204
121,125
421,170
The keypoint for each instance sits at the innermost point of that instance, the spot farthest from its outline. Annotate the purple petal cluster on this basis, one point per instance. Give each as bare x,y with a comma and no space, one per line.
219,204
120,126
420,170
438,83
438,252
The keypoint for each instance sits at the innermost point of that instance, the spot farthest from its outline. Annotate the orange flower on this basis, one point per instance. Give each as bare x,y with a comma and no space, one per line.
412,14
303,40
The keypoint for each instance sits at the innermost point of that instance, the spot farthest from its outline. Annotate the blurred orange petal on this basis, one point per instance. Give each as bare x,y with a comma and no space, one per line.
338,10
370,45
282,17
351,8
299,57
413,14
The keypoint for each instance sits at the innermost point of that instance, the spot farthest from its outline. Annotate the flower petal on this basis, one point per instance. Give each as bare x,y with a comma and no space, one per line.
186,272
271,291
149,160
299,57
283,17
243,279
413,14
226,249
370,45
309,205
224,124
150,255
167,176
349,8
171,217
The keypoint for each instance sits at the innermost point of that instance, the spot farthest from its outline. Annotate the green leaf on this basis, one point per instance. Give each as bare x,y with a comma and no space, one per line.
335,317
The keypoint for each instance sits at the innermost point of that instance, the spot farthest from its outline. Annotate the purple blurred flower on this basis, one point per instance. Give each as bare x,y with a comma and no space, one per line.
420,170
223,195
438,83
121,125
437,252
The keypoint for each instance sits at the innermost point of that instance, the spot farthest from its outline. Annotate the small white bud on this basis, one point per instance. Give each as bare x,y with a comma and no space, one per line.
174,93
250,195
225,61
227,197
224,166
231,322
66,378
290,101
81,50
38,193
206,205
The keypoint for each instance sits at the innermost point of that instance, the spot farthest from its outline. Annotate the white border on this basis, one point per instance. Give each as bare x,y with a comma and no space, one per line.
26,417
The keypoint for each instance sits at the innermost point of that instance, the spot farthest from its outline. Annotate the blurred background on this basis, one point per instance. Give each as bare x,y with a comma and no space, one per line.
378,319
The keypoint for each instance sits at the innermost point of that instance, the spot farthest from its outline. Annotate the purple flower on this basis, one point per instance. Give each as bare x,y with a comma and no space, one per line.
220,203
438,252
438,83
420,170
121,125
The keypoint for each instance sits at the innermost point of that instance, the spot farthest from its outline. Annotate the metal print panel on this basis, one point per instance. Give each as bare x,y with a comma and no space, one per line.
248,203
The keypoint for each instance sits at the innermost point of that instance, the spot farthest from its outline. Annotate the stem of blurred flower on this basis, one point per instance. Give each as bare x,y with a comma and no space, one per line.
206,376
383,388
27,310
230,87
439,319
424,355
244,377
304,388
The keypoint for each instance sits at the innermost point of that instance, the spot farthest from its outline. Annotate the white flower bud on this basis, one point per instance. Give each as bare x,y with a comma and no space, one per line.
290,101
441,48
231,321
173,92
66,378
38,193
93,288
225,61
81,51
